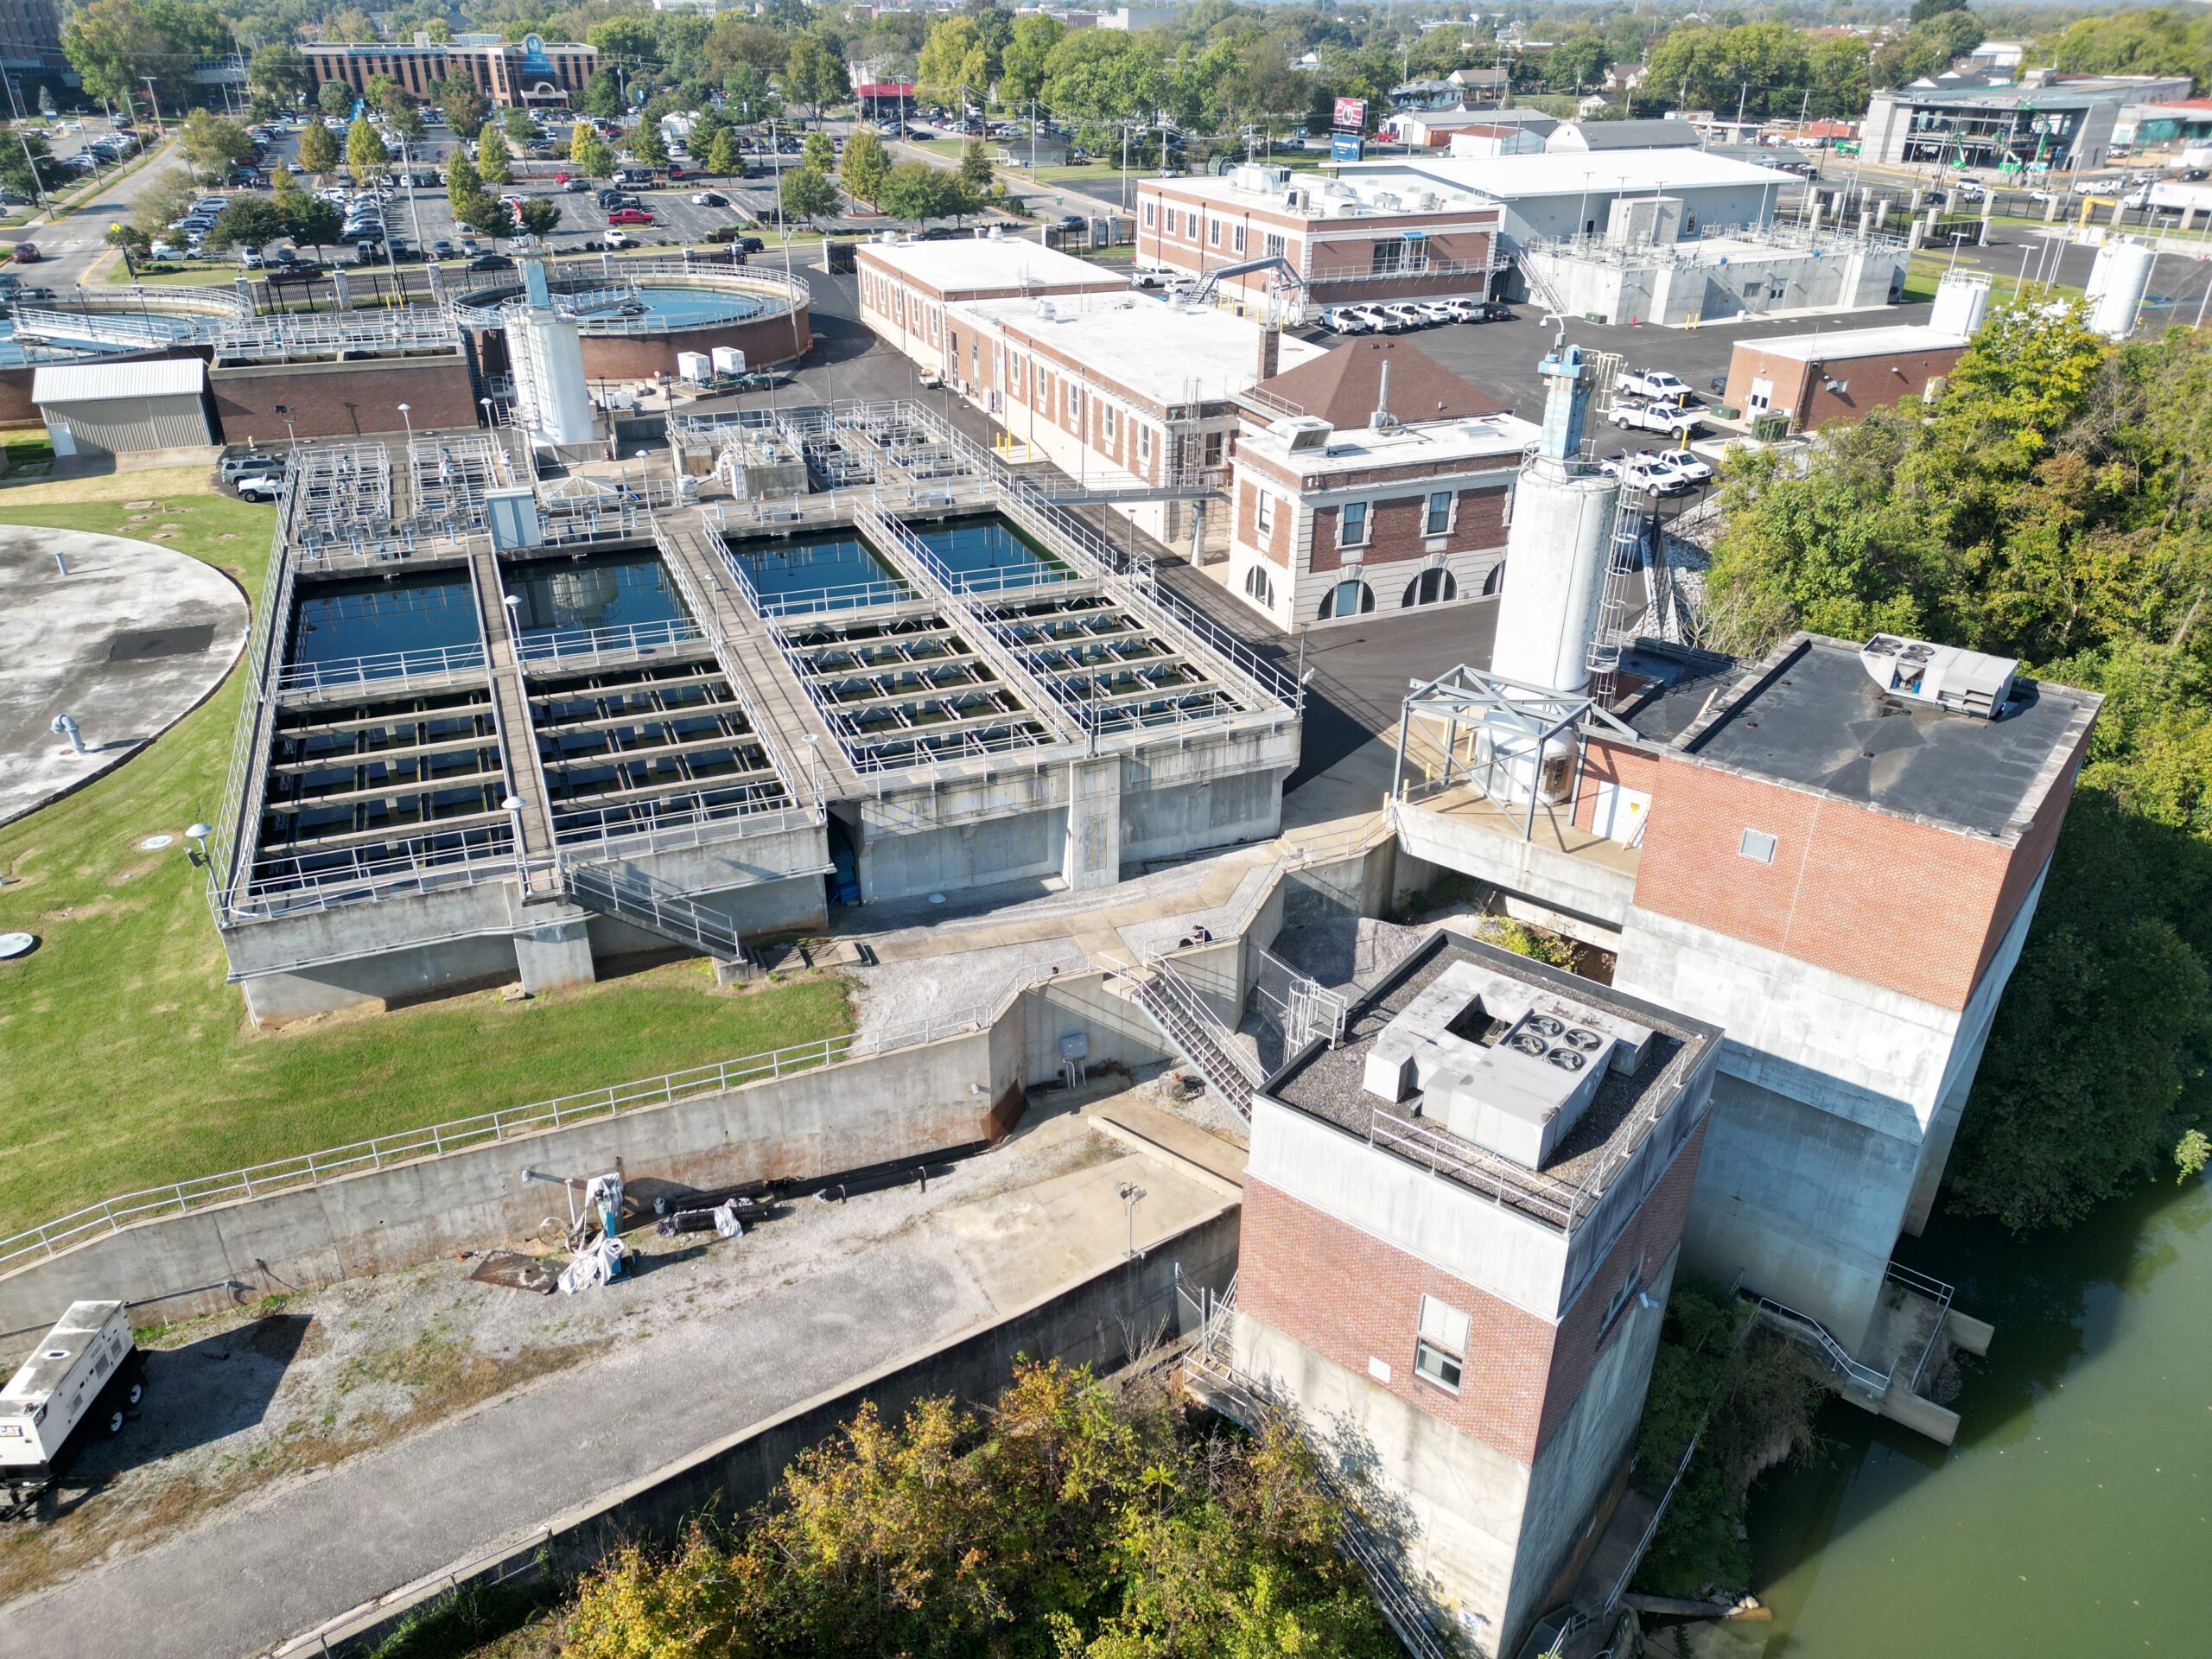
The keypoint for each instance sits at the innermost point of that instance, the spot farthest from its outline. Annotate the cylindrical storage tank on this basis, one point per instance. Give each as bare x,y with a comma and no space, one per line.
2127,278
2100,271
546,355
694,366
1961,303
1555,560
727,359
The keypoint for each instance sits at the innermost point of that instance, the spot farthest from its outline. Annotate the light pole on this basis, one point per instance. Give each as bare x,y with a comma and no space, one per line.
1129,1193
406,415
485,403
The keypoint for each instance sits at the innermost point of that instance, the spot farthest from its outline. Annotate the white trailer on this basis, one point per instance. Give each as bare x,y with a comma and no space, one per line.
2171,196
79,1381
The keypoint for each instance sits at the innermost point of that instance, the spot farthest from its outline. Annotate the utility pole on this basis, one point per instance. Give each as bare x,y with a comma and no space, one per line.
15,104
155,98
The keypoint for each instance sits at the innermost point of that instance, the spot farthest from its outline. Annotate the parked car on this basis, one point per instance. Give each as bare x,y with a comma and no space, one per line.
1068,223
621,239
1480,311
261,486
708,198
1365,319
442,249
751,244
1343,320
491,262
576,187
251,259
1655,384
231,468
1437,310
629,216
1676,422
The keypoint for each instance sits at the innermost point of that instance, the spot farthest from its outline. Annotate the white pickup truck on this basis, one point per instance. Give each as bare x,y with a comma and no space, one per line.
1656,384
1656,418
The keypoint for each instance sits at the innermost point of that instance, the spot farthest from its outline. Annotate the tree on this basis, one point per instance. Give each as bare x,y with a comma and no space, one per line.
336,100
491,155
114,45
2160,40
588,153
461,180
278,70
1103,75
318,147
352,26
464,107
866,165
311,222
975,168
130,239
645,144
246,222
541,215
1066,1519
602,96
164,201
725,160
26,167
916,190
485,214
806,195
365,151
954,62
736,40
813,74
518,125
212,144
750,95
818,152
1021,70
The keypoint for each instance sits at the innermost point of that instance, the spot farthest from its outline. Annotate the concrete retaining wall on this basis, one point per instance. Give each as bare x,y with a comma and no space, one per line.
1092,1322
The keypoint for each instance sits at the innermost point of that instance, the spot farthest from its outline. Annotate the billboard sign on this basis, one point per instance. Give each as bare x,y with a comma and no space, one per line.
1345,147
1351,115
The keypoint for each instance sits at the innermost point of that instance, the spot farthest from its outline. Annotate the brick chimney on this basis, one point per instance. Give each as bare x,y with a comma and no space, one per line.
1270,353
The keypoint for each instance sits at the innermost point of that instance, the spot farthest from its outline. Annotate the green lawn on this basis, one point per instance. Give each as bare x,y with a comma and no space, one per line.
130,1062
1926,271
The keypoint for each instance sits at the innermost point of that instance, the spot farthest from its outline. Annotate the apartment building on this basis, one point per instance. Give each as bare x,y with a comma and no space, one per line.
1371,478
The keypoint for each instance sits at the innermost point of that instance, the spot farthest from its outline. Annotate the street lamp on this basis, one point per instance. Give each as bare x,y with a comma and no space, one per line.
200,832
485,403
409,419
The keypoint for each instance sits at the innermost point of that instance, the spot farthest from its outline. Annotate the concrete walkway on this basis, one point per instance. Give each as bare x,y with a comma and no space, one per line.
861,1284
128,641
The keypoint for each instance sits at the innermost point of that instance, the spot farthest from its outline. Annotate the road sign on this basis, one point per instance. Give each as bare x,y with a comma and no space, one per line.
1351,115
1345,147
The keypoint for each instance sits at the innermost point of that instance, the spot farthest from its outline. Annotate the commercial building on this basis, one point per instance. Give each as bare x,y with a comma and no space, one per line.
1337,244
1369,478
2057,121
530,73
30,41
1840,374
1461,1226
1132,396
499,729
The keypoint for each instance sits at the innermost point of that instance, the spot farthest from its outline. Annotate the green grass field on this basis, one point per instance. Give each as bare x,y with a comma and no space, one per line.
130,1062
1926,271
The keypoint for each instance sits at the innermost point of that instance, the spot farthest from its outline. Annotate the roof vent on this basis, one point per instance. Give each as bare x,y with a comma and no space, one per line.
1303,434
1942,677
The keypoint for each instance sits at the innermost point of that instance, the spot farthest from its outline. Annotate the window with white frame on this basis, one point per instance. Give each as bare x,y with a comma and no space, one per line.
1259,585
1440,1350
1213,232
1075,406
1144,442
1264,513
1352,523
1439,518
1106,421
1151,214
1172,217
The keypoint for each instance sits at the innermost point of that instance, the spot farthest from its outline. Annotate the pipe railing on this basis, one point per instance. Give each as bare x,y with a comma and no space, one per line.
309,1169
301,882
598,644
306,679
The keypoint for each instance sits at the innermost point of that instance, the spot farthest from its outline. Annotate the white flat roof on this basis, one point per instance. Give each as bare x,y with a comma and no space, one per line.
965,265
1507,178
92,382
1152,348
1855,342
1358,450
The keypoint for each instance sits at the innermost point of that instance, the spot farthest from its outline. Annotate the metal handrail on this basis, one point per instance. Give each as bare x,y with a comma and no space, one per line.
257,1181
627,638
261,896
1805,1327
308,678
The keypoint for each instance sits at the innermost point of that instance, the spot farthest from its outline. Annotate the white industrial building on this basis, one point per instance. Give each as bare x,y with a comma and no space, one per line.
114,409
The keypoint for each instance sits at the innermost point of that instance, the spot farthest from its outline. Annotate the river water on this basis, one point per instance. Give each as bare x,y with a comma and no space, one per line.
2074,1516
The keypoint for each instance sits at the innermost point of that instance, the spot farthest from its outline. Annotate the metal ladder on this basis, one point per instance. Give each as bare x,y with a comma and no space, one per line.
1173,1004
1210,1370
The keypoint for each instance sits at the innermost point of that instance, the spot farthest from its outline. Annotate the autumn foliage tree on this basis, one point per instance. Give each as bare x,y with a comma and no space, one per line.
1068,1519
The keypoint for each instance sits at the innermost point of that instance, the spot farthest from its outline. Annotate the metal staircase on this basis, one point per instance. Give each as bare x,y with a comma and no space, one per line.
1173,1004
633,897
1210,1373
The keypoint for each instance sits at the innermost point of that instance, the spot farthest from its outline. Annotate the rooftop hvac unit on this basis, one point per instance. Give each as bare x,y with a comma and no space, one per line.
1048,309
1349,210
1304,434
1388,201
692,367
1424,202
1942,677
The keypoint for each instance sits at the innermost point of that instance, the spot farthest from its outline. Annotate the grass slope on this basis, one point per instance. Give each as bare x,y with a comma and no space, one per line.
130,1062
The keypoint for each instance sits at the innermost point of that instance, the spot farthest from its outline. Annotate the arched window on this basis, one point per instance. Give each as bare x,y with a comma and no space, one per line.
1430,588
1495,582
1259,587
1347,599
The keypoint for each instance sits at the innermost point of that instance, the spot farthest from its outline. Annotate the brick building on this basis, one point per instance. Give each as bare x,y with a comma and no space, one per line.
530,72
905,284
1342,249
30,45
1460,1227
1839,375
1371,478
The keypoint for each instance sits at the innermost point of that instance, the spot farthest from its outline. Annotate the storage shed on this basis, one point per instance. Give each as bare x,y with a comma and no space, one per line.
112,408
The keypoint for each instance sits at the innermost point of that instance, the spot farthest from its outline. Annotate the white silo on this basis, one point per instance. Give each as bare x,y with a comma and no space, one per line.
2127,279
1557,551
1961,303
545,353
